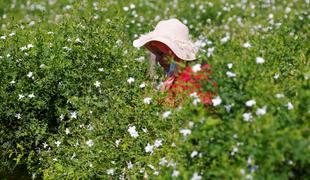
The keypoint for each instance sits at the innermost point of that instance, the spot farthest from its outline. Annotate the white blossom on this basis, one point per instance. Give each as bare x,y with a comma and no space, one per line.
110,171
279,95
57,143
216,101
31,95
129,165
185,132
276,76
158,143
97,84
175,173
90,143
166,114
147,100
149,148
225,39
30,74
67,131
73,114
142,85
260,60
130,80
196,176
117,142
193,154
261,111
133,132
17,115
247,45
196,67
230,65
230,74
250,103
290,106
247,117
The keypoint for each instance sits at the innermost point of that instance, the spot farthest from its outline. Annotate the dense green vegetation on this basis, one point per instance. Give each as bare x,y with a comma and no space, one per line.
72,91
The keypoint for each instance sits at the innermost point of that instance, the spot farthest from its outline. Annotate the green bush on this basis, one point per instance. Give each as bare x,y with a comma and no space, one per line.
68,109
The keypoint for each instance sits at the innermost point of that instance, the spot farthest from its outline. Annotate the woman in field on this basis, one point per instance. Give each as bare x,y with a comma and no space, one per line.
172,48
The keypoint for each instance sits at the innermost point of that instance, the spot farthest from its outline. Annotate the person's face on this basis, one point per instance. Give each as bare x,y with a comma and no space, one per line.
162,52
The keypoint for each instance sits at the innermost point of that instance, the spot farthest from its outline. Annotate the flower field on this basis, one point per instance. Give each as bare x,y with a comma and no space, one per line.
76,100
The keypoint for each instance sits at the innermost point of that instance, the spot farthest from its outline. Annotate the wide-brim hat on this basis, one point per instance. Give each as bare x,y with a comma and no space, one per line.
175,35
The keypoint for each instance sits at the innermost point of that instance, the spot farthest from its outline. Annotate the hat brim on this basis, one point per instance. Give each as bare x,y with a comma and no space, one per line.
183,50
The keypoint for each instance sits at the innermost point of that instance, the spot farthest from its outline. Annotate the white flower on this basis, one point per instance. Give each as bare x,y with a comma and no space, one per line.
73,114
90,143
67,130
247,116
191,124
194,95
193,154
149,148
29,46
216,101
100,69
17,115
158,143
250,103
125,8
130,80
78,40
97,84
129,165
20,96
228,107
132,6
45,145
31,95
175,173
147,100
196,67
163,161
196,101
247,45
261,111
29,74
290,106
144,130
276,76
57,143
210,51
260,60
12,82
185,132
230,65
24,48
166,114
110,171
142,85
225,39
196,176
230,74
280,95
133,132
117,142
2,37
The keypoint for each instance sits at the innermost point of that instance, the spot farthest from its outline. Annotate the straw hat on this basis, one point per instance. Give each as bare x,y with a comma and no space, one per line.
175,35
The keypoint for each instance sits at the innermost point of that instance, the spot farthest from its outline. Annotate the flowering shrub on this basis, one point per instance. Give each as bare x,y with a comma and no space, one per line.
75,101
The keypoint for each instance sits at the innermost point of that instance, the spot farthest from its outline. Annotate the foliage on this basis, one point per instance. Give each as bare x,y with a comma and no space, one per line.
72,91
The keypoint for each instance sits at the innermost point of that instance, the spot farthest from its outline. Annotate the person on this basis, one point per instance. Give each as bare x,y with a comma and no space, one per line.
172,48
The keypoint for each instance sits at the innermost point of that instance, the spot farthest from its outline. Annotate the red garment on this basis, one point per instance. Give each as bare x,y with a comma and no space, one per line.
182,85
